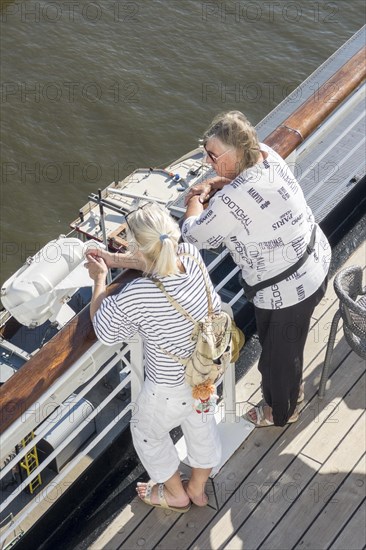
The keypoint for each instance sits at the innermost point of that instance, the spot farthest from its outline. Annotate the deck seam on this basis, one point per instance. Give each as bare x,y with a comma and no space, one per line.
335,368
283,471
161,538
326,503
136,527
345,525
215,495
311,458
308,483
244,479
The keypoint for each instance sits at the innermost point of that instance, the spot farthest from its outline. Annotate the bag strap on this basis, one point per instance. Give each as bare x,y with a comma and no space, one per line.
178,307
176,304
251,291
204,273
181,360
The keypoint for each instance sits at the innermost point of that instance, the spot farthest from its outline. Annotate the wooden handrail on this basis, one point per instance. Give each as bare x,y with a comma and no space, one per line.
306,119
28,384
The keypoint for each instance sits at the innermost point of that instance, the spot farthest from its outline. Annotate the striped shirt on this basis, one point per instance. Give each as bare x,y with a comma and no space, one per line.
141,307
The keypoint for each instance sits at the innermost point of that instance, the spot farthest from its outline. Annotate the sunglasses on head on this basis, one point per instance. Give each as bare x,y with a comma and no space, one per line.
214,157
133,211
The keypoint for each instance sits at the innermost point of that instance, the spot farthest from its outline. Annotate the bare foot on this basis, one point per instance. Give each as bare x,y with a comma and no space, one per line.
196,494
177,501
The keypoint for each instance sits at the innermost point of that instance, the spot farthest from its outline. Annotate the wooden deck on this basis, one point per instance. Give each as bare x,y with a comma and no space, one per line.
302,486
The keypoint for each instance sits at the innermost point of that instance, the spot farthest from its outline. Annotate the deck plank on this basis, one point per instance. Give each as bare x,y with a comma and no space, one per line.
156,524
335,514
276,458
277,500
122,526
353,536
340,420
300,492
186,530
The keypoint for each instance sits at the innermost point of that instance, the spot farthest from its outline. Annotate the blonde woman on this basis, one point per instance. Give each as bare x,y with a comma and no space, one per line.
165,401
258,211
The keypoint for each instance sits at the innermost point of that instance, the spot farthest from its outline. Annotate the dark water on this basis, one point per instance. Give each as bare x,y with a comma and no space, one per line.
92,90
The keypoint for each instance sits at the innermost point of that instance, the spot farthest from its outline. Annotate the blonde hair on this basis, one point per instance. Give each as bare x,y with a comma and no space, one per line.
234,129
157,235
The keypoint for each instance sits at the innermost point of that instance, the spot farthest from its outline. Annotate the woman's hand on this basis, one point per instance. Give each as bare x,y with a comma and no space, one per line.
107,257
203,190
206,189
96,267
97,271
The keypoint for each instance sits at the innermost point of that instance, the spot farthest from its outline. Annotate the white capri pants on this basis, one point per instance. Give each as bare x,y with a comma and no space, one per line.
159,409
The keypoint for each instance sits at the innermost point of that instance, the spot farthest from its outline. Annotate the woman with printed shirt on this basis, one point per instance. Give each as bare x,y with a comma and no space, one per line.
257,209
165,401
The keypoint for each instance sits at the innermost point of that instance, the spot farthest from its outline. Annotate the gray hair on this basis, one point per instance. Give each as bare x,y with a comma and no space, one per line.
234,129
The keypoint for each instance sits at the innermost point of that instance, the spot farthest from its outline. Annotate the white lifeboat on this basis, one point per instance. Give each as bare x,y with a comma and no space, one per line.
39,290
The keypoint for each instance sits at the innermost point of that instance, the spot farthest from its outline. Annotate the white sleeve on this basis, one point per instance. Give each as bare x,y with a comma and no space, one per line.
210,228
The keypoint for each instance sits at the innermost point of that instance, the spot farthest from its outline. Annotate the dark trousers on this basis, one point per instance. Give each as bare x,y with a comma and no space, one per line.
282,335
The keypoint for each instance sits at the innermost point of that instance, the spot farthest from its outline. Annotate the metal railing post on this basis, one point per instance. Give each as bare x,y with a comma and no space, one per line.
137,366
229,395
